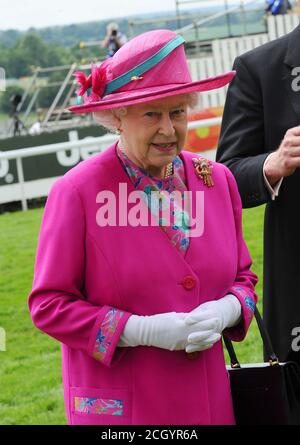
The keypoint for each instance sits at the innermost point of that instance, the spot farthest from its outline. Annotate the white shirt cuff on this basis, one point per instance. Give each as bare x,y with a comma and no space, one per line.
274,191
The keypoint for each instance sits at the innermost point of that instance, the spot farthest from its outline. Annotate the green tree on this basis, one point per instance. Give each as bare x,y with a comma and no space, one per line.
31,51
5,103
9,37
58,55
48,93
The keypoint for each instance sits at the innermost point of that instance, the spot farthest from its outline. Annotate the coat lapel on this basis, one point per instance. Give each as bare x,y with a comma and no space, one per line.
291,61
194,184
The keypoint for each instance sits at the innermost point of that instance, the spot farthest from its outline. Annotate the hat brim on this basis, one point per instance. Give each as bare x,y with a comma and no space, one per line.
127,98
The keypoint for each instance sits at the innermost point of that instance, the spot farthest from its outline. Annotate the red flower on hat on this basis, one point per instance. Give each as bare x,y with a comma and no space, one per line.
84,81
97,80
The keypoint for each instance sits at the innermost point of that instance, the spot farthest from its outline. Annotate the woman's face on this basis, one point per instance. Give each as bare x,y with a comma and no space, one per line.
153,133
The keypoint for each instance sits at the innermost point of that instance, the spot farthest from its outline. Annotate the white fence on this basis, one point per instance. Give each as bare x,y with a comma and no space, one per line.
279,25
83,149
224,51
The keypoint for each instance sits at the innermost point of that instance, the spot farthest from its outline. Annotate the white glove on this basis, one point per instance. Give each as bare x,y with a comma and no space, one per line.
211,319
166,331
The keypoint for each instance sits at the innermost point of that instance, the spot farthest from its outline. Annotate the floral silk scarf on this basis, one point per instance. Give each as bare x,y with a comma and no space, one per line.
177,225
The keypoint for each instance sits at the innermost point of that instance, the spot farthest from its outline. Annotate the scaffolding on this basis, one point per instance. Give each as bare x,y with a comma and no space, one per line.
56,116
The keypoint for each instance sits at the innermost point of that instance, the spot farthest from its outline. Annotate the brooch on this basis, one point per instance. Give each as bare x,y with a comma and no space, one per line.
203,169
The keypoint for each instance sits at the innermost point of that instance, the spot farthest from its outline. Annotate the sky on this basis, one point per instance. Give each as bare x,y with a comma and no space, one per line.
23,14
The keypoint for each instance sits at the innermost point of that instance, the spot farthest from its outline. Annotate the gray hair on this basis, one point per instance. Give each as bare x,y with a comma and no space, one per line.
108,118
112,26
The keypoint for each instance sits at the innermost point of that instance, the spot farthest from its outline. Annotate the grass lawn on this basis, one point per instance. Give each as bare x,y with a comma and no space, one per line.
30,369
6,121
6,116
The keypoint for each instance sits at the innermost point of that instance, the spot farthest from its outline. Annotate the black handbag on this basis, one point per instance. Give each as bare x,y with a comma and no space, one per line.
264,393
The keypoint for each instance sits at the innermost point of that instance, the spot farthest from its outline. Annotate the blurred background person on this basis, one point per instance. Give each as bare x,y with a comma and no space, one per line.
114,39
276,7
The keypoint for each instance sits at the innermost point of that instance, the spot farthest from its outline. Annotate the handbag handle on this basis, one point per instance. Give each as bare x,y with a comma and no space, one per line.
273,360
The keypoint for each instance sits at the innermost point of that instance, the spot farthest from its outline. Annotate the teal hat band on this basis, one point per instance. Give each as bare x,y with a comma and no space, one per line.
140,69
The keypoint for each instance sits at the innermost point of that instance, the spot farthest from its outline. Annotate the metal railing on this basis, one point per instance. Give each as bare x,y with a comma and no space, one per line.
94,145
218,15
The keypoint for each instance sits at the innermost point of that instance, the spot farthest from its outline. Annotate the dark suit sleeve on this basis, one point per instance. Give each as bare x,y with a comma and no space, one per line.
241,145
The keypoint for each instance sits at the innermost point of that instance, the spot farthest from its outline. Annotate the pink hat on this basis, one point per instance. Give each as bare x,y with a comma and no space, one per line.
151,66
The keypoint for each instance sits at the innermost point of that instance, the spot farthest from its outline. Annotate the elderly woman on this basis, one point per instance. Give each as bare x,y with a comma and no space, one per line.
136,289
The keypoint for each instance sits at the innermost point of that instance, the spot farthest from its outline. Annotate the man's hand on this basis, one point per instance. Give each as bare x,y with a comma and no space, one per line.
284,161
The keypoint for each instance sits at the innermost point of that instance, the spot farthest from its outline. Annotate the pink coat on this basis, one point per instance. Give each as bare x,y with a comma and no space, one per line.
88,280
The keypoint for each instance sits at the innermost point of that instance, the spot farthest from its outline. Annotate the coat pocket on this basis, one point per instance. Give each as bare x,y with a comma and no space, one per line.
100,406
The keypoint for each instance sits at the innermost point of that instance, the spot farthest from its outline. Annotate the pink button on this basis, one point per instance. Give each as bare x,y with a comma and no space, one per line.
189,282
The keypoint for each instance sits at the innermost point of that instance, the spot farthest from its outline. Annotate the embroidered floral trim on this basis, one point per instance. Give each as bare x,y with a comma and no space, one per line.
106,332
247,298
250,303
91,405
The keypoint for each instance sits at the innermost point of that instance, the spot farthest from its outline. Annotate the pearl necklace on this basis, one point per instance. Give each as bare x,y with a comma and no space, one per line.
169,170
